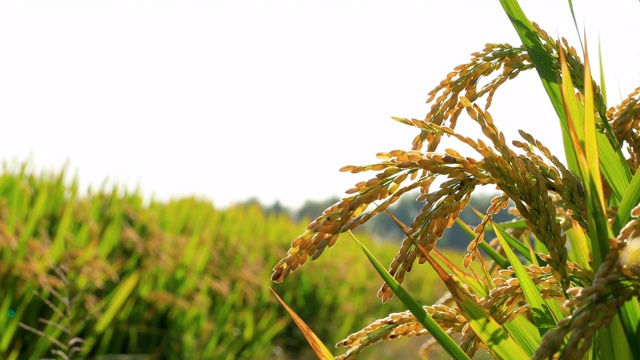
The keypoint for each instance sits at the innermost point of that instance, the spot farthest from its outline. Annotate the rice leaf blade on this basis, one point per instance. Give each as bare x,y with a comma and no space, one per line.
576,119
629,315
630,199
579,247
541,313
546,69
590,143
475,285
316,344
525,333
416,309
496,337
122,293
603,86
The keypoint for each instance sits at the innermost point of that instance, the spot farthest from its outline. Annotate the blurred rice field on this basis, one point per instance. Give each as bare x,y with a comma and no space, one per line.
108,275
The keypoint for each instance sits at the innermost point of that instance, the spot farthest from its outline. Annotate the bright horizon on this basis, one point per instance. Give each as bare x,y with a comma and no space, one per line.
248,99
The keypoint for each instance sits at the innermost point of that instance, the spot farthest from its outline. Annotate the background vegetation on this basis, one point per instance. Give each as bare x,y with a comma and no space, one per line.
103,273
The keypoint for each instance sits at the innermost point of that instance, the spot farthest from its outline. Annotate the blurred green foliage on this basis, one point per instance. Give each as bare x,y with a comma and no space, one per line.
107,272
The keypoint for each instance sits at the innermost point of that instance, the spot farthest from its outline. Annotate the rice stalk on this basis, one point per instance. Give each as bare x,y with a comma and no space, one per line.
551,198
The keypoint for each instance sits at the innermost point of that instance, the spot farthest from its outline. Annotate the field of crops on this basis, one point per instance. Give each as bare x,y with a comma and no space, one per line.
106,272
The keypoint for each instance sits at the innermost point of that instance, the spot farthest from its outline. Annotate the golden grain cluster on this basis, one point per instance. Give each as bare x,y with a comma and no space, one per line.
548,197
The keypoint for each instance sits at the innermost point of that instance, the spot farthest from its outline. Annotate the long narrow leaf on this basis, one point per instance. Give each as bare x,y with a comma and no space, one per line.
614,168
597,218
613,342
579,248
629,315
477,286
497,339
545,67
517,245
617,175
630,199
574,112
587,150
541,312
590,143
416,309
122,293
512,224
525,333
603,86
575,23
316,344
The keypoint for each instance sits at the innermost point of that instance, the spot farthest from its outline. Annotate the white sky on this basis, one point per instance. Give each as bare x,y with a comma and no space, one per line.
236,99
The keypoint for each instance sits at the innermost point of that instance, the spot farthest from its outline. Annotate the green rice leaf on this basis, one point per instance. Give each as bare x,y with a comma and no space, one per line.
575,23
58,243
614,168
546,69
497,339
10,325
476,286
612,342
517,224
629,315
316,344
590,143
525,333
630,199
603,86
584,136
616,174
541,313
495,336
122,293
598,228
579,247
416,309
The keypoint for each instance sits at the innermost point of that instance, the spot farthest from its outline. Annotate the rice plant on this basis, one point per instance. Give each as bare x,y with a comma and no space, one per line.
560,281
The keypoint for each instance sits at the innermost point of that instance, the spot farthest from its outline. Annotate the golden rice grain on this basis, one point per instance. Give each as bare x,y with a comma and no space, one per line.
541,189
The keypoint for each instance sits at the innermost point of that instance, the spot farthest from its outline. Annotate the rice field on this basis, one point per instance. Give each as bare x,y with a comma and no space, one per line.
109,273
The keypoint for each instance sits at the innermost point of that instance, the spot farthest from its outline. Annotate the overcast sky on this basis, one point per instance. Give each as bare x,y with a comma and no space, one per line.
236,99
